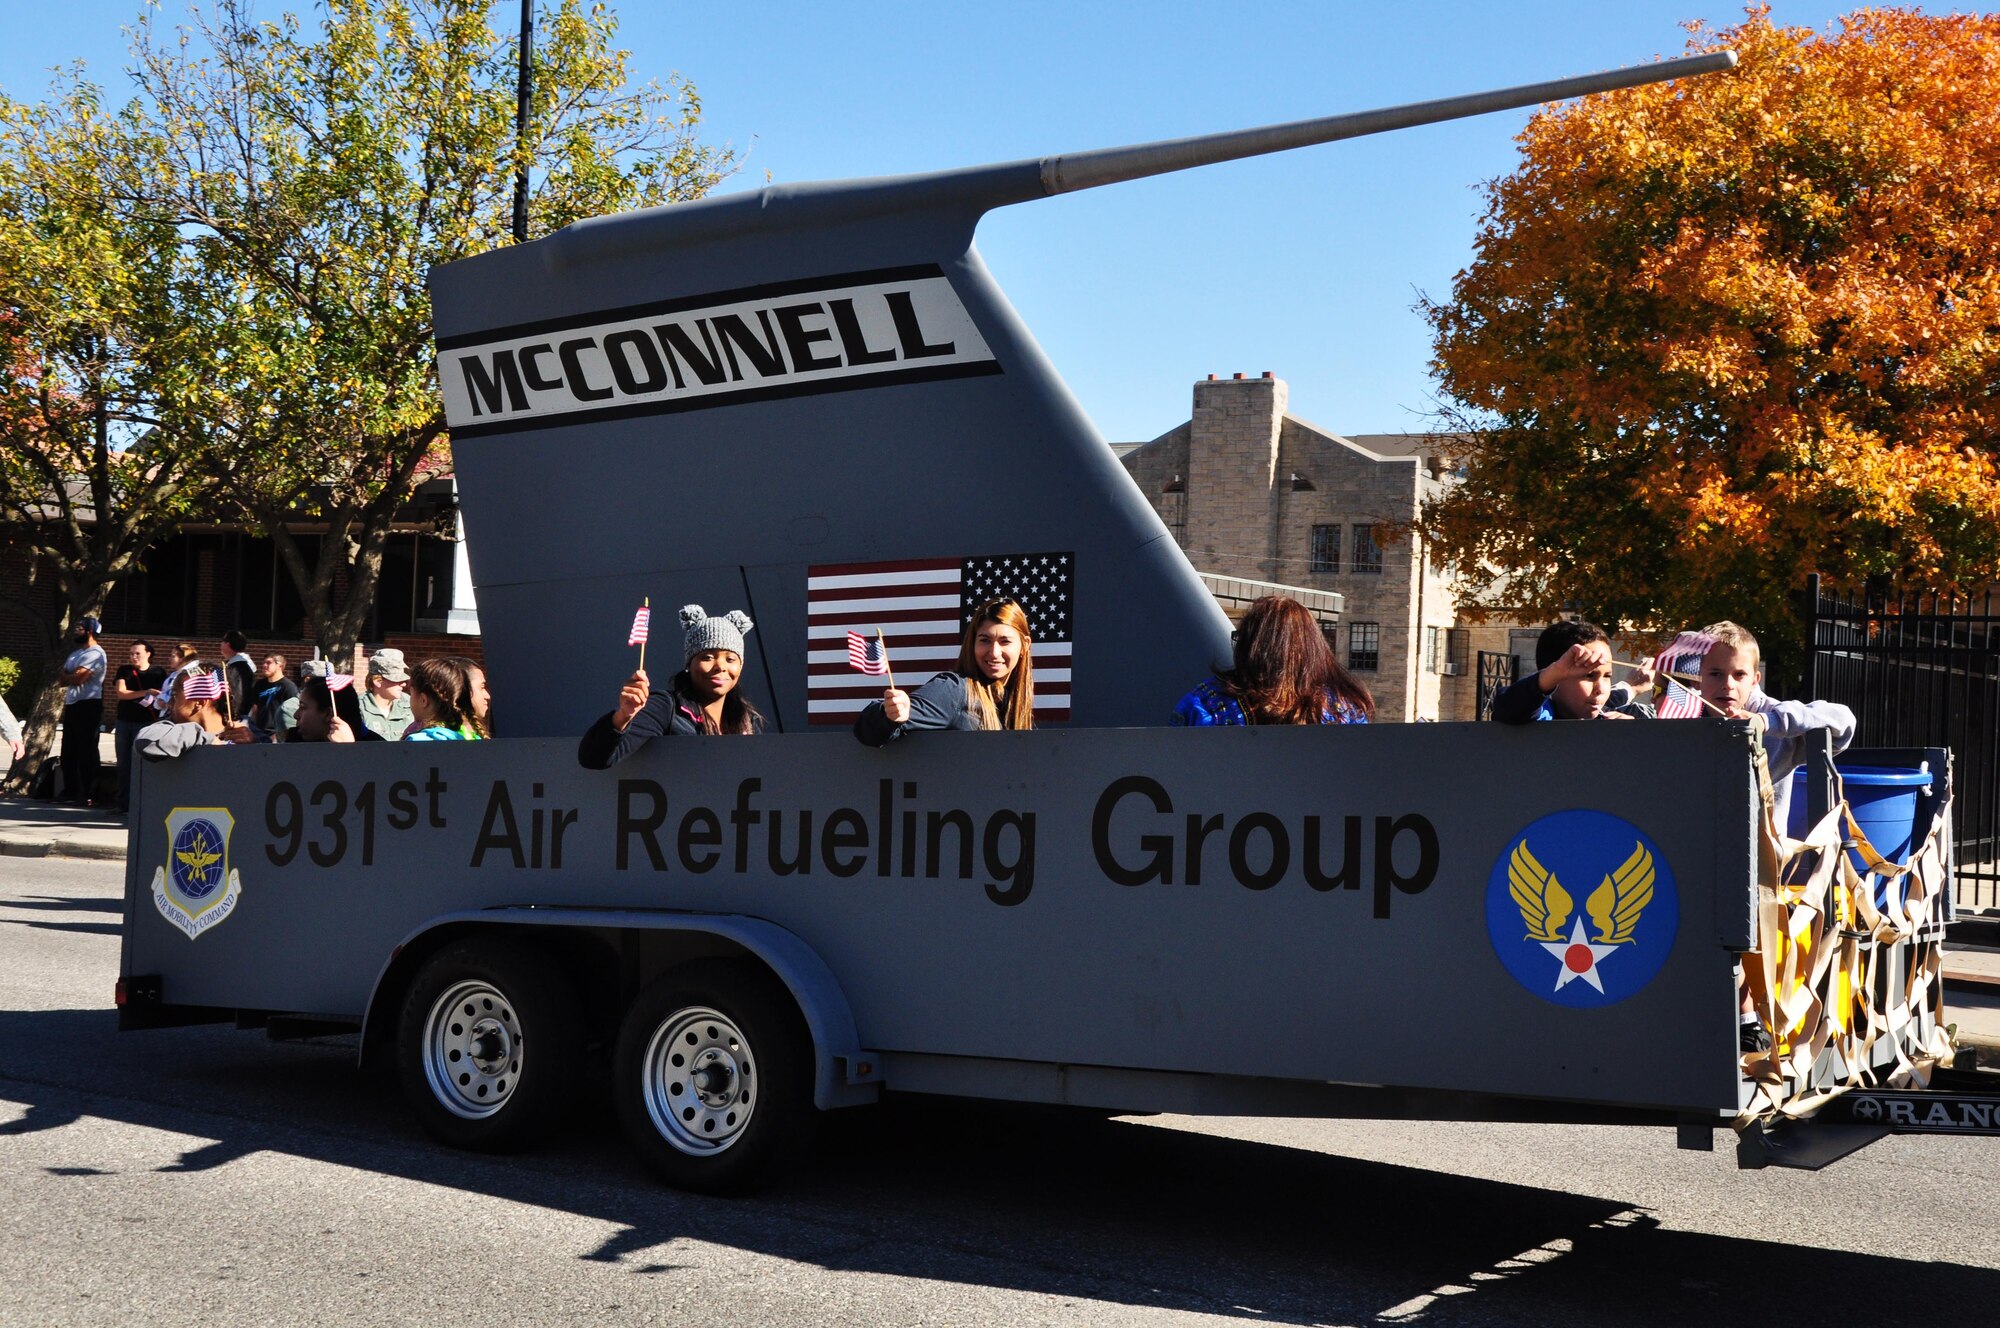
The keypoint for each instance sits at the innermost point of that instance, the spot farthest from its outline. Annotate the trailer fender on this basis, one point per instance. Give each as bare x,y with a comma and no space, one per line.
844,1074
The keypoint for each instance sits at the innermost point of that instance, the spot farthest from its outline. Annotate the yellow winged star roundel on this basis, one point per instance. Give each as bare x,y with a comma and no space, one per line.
197,887
1610,947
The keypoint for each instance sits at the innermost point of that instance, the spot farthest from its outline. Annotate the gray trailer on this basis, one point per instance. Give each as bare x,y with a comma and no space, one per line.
700,404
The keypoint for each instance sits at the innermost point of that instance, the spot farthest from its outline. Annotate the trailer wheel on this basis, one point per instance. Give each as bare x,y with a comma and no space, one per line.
490,1045
713,1078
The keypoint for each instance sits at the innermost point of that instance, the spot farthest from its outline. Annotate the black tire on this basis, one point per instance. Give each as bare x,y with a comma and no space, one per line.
499,1072
750,1113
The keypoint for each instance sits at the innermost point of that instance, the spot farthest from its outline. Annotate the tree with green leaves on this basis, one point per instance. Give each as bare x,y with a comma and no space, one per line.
104,318
321,172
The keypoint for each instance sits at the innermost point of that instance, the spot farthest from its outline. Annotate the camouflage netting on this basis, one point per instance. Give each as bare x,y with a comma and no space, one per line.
1846,970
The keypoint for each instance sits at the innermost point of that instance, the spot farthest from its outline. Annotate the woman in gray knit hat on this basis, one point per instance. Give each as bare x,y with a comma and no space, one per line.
702,698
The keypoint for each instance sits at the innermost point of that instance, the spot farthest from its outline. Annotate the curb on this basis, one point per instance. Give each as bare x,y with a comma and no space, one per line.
1986,1044
57,848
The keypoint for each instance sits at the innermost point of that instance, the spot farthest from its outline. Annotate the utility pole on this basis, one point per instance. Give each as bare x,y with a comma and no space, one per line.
523,94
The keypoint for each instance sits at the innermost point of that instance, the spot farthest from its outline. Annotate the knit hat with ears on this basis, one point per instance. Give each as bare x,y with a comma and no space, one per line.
706,633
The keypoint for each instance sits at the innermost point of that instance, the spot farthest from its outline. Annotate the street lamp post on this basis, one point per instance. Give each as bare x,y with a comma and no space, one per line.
523,94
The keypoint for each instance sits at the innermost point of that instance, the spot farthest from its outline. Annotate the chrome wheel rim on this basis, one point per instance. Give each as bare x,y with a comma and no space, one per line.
701,1086
472,1049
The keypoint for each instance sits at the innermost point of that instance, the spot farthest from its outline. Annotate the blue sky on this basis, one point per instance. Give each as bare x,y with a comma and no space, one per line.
1306,263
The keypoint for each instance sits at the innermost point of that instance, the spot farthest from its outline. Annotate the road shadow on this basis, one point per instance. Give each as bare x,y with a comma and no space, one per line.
62,904
1043,1201
113,905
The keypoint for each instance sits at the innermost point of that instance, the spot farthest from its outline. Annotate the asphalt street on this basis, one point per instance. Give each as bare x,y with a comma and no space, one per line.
209,1177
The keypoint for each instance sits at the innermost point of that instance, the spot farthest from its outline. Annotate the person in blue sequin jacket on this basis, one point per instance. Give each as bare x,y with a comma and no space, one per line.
1284,673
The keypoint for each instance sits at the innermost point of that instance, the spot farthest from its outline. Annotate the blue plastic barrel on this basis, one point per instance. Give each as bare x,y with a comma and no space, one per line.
1884,802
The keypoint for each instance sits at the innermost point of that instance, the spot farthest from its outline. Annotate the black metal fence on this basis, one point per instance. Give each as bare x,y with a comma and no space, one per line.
1922,671
1496,675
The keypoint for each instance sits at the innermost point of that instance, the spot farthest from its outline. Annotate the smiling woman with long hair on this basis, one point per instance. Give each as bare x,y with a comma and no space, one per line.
993,686
1284,672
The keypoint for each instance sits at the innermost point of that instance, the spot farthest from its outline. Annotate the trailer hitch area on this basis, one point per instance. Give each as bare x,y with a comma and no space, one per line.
1956,1102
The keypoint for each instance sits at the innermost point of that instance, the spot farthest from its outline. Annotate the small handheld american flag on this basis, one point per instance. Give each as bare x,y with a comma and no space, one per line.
867,654
642,627
202,686
1677,665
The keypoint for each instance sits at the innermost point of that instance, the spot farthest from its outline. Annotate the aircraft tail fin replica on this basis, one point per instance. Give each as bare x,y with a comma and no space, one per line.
813,403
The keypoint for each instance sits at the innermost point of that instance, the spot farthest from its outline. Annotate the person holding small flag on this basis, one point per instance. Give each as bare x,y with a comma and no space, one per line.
193,718
704,697
993,686
1572,680
1732,677
330,711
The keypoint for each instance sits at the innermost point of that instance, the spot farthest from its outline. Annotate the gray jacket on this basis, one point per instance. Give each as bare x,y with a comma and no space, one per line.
10,728
166,739
1786,724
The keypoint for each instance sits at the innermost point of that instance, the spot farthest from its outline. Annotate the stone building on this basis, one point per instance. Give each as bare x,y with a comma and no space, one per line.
1252,491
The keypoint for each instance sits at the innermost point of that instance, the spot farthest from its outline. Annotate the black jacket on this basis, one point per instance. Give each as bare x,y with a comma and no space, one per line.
1526,703
666,711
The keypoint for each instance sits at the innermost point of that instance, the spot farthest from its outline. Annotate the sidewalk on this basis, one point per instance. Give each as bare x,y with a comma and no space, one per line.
33,829
30,828
1972,997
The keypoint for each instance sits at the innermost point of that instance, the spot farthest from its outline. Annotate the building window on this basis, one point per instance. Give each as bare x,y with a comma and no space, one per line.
1458,651
1434,649
1367,553
1364,646
1326,548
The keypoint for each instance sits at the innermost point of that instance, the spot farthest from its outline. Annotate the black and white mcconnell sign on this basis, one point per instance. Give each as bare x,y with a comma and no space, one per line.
826,335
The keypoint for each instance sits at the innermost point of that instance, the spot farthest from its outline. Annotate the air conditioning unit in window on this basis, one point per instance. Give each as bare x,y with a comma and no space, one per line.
1451,670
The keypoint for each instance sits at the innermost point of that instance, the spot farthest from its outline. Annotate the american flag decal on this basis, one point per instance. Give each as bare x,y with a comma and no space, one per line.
922,606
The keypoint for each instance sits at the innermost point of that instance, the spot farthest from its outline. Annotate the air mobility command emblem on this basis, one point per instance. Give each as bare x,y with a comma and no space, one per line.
1610,947
197,888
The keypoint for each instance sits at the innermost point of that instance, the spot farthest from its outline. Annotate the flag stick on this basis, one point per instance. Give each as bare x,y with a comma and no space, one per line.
883,646
1687,680
648,603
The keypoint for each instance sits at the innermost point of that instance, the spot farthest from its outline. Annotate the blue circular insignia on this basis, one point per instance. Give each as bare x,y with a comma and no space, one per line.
195,861
1581,908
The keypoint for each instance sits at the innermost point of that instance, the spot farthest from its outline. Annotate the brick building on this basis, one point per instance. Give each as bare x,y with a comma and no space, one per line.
1250,490
205,579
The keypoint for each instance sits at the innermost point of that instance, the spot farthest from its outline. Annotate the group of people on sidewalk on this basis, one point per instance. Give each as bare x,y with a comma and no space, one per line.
443,699
163,711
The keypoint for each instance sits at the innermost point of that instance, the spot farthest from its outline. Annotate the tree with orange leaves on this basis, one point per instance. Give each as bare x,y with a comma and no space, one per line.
1722,333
